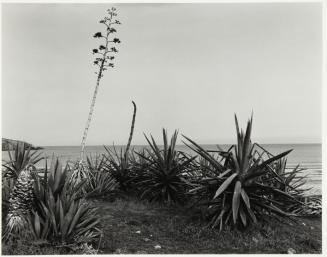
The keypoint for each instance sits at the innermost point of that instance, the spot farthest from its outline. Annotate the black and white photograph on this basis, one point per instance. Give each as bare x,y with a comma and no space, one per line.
162,128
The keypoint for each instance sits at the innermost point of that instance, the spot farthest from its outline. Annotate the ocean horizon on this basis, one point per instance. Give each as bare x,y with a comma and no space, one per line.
308,156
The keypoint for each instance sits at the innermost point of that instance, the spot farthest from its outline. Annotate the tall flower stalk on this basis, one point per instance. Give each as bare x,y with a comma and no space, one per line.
105,56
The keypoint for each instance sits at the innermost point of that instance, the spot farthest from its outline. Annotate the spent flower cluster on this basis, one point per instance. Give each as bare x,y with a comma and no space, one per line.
106,51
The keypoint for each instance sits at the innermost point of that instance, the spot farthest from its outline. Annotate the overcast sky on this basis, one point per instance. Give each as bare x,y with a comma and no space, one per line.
187,66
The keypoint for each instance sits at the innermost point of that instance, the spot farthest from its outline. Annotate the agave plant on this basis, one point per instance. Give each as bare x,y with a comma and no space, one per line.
99,182
288,180
95,163
60,212
117,164
7,187
39,228
69,220
18,188
22,156
165,175
20,204
55,179
242,188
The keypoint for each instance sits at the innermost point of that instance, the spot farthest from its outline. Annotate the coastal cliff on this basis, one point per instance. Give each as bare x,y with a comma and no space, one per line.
10,144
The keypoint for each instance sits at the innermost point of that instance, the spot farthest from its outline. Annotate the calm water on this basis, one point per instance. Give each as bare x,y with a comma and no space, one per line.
307,155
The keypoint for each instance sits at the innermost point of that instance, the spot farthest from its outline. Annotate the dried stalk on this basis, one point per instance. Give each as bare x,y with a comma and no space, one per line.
131,132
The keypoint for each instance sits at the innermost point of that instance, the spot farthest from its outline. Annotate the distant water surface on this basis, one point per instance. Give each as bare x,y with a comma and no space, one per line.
307,155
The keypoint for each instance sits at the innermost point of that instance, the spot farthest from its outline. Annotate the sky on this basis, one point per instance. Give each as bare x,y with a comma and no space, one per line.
187,66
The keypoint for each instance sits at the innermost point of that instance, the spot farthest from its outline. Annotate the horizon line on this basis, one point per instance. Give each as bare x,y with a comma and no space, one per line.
311,143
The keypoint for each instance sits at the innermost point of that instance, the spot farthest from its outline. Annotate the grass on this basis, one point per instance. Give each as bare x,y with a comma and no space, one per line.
131,226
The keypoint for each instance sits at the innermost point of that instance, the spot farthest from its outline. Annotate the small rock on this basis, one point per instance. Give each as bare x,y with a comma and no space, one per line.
157,247
255,240
303,223
118,251
151,235
312,227
291,251
138,232
146,239
141,252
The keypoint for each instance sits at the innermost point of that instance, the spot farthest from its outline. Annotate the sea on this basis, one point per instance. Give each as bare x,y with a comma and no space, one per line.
308,156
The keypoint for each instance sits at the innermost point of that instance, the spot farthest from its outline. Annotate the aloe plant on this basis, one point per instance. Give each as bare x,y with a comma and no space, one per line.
242,190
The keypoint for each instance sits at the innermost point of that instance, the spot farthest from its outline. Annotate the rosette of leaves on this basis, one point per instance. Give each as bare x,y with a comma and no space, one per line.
95,163
242,190
99,181
55,179
19,159
117,164
286,179
65,219
61,214
164,175
289,180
